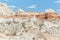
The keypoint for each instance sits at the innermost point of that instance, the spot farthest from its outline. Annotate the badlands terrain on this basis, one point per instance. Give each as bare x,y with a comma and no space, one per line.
21,25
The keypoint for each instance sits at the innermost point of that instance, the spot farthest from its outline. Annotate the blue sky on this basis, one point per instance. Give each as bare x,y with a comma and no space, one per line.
34,5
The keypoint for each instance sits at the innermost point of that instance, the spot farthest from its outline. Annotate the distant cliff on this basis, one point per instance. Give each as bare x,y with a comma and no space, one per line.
6,12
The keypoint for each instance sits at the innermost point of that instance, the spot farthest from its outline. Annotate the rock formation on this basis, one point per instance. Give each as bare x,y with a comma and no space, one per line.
49,10
5,10
23,25
49,14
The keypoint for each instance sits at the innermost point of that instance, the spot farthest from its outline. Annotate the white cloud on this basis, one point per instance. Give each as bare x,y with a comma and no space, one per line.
58,1
32,6
12,6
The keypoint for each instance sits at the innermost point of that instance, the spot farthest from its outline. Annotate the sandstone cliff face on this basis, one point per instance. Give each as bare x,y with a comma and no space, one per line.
52,15
49,14
40,16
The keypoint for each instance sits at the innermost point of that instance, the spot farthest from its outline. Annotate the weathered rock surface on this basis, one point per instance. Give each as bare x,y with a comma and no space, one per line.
5,10
23,25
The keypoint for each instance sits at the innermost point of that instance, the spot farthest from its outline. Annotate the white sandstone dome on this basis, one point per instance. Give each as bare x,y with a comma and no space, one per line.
5,10
49,10
20,12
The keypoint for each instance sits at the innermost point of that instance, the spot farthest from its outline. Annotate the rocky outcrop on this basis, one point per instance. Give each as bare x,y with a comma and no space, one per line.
40,16
25,26
49,14
5,10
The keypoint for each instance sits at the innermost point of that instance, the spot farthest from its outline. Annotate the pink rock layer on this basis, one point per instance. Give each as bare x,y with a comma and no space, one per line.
39,16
